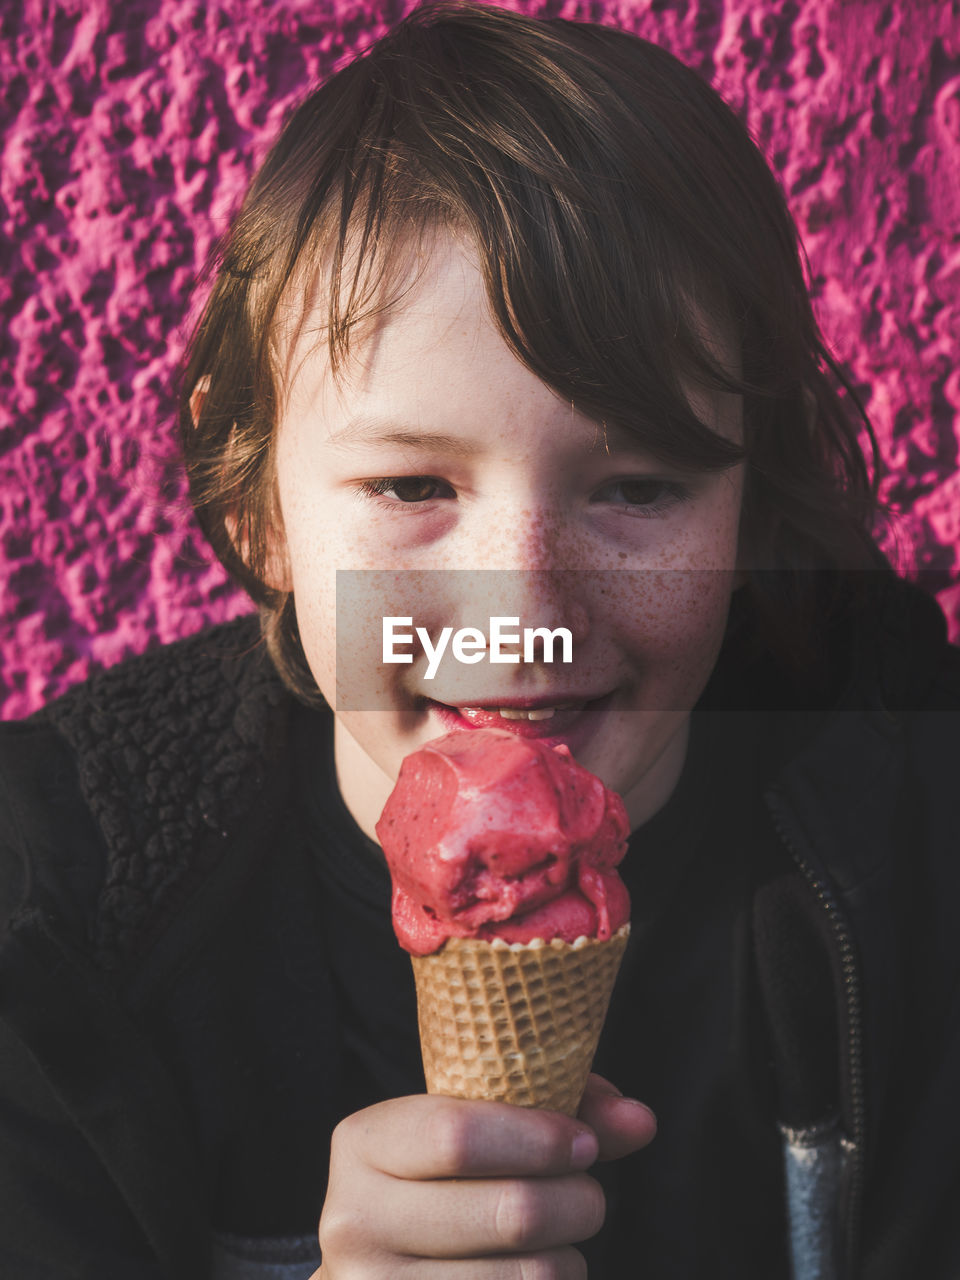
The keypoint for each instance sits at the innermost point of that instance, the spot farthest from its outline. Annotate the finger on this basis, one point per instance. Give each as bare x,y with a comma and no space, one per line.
622,1125
472,1218
434,1137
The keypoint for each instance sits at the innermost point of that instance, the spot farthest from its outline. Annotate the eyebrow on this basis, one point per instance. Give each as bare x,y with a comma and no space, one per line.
374,430
362,431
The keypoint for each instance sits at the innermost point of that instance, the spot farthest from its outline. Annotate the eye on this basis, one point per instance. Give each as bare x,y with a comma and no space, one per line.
644,495
407,489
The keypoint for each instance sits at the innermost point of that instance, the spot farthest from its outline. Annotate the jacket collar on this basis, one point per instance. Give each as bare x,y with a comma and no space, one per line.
174,749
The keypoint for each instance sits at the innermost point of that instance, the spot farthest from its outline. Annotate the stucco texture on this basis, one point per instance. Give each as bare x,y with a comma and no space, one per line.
129,132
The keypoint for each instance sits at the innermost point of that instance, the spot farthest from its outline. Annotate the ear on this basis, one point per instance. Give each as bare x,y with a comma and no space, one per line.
276,574
197,397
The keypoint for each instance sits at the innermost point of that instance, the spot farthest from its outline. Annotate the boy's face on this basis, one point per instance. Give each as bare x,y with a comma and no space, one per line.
440,451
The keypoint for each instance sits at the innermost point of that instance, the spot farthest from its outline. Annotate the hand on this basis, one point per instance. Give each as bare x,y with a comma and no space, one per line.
434,1188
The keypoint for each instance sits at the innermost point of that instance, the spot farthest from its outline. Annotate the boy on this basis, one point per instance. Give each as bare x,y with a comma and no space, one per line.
512,306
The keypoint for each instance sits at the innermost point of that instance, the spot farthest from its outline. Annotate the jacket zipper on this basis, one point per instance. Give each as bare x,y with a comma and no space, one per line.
854,1008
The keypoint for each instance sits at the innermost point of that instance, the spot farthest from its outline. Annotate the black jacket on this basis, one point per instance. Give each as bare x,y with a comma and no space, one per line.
144,815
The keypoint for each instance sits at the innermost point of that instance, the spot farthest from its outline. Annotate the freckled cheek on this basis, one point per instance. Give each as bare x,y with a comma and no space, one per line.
342,618
711,547
316,622
345,659
312,578
672,621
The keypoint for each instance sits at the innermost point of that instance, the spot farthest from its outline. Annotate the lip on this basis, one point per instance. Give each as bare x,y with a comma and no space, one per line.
571,727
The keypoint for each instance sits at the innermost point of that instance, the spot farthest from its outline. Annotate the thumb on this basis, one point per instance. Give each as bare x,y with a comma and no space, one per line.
622,1125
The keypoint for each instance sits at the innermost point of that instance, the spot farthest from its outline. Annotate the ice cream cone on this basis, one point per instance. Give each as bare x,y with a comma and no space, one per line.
515,1022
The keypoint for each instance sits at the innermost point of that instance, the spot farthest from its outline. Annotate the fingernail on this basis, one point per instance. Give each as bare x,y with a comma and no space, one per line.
636,1102
641,1106
585,1149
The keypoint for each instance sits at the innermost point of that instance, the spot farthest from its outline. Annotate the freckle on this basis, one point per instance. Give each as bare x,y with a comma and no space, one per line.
622,555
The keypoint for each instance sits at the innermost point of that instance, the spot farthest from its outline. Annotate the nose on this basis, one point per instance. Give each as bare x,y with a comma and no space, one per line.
529,567
523,534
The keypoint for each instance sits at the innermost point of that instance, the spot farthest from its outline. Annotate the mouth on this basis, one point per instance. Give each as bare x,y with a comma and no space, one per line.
561,719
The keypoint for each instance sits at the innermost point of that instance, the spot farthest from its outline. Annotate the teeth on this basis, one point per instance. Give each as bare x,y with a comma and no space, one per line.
518,713
535,713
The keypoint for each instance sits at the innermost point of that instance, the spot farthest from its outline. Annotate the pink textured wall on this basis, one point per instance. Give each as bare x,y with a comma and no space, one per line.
130,128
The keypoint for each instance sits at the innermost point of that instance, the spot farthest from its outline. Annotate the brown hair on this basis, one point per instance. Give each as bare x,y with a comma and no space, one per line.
613,200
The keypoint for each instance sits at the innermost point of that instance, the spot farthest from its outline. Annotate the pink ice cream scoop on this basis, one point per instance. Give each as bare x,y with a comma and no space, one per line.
488,835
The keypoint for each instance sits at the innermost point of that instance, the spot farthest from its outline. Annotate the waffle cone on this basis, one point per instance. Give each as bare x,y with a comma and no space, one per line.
515,1022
